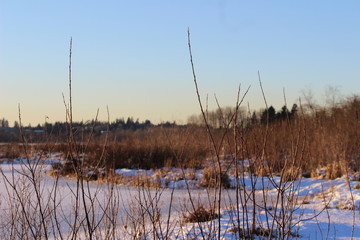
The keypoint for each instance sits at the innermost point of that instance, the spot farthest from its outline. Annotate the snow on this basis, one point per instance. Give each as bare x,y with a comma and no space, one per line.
330,209
132,172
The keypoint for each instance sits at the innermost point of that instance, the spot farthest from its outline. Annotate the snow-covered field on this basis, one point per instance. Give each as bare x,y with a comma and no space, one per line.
324,209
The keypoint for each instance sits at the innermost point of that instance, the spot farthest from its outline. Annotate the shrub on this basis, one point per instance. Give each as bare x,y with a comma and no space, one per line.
291,174
211,178
200,214
335,170
64,169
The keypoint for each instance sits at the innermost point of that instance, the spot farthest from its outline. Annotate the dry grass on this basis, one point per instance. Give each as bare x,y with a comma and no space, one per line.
291,174
331,140
211,178
200,214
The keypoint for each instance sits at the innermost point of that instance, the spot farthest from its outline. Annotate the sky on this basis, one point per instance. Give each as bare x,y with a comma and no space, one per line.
133,57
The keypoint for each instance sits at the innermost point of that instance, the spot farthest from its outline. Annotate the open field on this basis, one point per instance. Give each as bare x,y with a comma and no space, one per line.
324,208
232,175
154,141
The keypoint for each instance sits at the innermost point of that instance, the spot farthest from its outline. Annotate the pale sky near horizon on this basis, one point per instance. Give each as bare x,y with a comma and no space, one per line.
132,56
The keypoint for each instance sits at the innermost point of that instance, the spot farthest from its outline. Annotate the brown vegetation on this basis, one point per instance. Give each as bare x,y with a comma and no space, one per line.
200,214
211,178
286,143
330,139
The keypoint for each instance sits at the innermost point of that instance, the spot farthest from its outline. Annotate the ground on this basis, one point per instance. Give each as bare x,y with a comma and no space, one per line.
323,209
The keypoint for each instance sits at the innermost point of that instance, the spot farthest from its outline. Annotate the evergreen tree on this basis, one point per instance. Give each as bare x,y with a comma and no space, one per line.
268,115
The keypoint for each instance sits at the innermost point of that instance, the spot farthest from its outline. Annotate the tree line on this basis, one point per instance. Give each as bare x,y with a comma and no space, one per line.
59,129
220,118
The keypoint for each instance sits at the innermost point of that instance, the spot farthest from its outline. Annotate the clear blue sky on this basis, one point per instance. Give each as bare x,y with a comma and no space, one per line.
133,56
